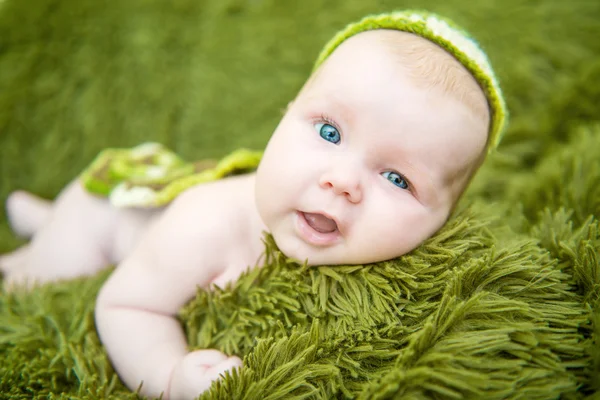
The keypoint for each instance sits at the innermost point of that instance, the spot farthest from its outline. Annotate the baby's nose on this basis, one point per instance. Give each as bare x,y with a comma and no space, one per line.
343,183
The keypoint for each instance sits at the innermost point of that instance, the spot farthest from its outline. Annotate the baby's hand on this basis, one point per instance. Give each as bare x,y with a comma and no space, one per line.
195,372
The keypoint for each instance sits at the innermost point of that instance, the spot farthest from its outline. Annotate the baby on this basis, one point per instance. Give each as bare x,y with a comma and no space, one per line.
367,163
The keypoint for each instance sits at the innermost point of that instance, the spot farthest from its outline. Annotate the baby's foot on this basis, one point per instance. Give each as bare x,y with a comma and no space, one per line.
48,260
63,244
27,213
12,267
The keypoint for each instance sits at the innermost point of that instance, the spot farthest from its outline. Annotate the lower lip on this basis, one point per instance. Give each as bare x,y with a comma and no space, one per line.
313,236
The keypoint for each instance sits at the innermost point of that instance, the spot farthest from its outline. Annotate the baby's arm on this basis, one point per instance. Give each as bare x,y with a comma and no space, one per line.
136,308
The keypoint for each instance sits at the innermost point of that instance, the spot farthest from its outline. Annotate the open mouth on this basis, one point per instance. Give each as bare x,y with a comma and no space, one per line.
320,223
317,229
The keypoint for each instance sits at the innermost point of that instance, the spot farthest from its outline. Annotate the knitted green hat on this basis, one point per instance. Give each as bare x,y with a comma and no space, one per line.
450,37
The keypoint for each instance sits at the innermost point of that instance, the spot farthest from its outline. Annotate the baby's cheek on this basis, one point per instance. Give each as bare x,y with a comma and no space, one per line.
401,225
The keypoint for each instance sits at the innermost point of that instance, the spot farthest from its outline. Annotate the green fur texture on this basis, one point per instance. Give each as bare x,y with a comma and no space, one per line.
503,303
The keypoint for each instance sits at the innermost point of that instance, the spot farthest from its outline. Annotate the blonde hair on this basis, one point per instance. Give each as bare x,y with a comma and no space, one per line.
432,66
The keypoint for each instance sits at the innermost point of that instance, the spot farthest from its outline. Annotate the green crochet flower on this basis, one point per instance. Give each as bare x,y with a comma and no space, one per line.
150,175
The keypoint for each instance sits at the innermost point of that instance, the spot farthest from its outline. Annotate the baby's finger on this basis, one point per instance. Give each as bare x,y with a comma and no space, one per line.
194,374
222,367
206,358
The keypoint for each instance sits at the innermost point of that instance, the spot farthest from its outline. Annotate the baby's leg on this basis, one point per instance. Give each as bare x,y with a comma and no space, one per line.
27,213
71,238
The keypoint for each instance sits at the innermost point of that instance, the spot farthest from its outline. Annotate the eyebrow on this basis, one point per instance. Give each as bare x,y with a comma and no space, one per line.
332,101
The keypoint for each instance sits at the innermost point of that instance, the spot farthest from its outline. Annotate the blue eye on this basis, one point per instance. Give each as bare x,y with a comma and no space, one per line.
396,179
328,132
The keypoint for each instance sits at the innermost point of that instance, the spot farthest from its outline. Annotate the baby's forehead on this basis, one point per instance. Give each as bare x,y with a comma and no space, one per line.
427,64
409,50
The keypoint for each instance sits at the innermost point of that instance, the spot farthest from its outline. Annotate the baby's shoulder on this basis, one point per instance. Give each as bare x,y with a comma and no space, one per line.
225,195
226,206
219,219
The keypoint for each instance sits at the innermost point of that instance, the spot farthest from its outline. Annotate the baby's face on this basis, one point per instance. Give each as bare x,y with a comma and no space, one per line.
366,164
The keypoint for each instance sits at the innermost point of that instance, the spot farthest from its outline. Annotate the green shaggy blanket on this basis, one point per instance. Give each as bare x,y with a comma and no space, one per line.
503,303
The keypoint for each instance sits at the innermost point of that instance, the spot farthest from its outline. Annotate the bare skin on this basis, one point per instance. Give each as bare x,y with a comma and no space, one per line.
167,253
97,235
366,164
186,247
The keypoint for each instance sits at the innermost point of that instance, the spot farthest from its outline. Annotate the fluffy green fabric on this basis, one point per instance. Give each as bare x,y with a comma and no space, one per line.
503,303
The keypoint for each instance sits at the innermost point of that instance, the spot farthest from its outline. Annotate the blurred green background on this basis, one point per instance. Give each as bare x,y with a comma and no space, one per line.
205,77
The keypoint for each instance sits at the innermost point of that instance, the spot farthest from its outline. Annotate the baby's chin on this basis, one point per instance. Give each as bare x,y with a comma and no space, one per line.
335,255
347,251
304,254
